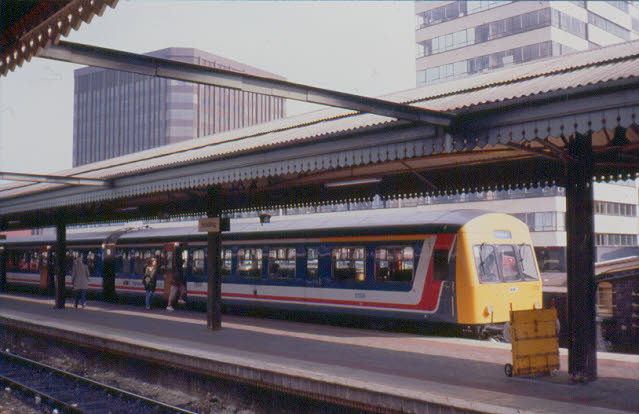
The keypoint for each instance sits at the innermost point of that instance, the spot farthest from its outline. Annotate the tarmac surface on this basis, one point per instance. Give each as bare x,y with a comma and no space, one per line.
462,373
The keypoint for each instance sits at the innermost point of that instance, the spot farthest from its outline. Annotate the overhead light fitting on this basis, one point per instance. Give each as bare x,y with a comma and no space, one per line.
265,218
353,182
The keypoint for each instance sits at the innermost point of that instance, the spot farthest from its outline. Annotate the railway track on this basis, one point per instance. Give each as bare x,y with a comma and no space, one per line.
71,393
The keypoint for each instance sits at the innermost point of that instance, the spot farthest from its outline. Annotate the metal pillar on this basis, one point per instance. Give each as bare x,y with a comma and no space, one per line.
61,258
214,294
582,351
3,270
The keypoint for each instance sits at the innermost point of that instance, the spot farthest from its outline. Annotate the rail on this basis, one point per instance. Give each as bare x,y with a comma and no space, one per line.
71,393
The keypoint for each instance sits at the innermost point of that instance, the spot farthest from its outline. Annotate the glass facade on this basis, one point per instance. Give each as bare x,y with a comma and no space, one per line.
609,208
608,26
117,113
478,30
502,28
493,61
455,10
606,239
543,220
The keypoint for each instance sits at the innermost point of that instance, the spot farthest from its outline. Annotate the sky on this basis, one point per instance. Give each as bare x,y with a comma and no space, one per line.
358,47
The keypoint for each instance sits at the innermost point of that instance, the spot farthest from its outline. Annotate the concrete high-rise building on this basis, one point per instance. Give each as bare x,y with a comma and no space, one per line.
117,113
461,38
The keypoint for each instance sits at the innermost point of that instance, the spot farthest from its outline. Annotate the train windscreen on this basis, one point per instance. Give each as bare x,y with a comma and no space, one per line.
505,263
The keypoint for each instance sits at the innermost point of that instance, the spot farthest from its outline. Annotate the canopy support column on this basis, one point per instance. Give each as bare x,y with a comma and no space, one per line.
61,256
214,243
3,270
582,351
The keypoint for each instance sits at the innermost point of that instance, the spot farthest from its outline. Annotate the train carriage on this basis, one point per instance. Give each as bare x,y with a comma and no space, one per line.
464,267
618,303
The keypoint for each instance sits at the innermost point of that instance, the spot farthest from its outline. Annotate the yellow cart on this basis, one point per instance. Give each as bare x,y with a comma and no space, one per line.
534,340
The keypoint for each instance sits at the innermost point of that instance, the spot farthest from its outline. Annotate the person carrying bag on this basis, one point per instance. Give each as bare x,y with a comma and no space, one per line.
150,281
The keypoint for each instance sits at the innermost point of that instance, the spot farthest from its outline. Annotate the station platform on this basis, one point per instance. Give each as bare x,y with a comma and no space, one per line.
392,371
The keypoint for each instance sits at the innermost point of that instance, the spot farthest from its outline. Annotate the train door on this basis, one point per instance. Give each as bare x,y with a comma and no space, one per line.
444,278
167,267
311,257
44,268
183,271
317,271
108,271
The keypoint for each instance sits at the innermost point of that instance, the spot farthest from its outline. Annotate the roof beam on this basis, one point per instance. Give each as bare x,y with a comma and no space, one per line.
38,178
153,66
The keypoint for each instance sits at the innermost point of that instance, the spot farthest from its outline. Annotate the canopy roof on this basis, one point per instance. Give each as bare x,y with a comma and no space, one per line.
28,26
511,128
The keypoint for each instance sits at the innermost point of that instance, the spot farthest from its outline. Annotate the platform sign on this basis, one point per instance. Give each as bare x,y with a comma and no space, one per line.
209,224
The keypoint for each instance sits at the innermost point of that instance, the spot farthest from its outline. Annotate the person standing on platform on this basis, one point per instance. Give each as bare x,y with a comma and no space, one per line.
150,281
80,279
178,286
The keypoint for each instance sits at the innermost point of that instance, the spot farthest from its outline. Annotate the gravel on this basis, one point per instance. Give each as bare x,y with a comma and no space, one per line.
208,403
10,404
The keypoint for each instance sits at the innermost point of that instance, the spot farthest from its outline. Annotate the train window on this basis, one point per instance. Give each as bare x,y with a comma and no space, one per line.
312,263
249,262
527,260
43,260
90,262
127,259
166,265
227,261
33,262
348,264
394,264
281,263
508,261
138,263
185,259
23,262
198,262
486,263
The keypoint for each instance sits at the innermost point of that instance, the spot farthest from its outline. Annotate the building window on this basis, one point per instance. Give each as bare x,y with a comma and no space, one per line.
569,24
543,221
608,26
609,208
488,62
502,28
607,239
620,4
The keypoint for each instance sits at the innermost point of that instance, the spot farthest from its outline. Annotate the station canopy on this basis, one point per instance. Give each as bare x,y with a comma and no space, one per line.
511,128
28,26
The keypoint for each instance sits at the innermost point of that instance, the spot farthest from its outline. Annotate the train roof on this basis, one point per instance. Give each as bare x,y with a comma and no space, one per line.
418,219
364,220
617,268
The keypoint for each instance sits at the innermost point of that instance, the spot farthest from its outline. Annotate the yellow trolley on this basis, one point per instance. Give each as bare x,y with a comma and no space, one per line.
535,346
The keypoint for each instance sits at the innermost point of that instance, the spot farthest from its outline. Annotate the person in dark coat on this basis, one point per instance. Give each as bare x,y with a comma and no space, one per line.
150,281
80,278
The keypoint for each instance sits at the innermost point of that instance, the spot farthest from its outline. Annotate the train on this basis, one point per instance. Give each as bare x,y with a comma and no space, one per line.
465,268
618,303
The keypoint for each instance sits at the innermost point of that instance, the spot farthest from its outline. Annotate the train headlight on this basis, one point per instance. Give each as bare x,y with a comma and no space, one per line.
488,310
537,305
